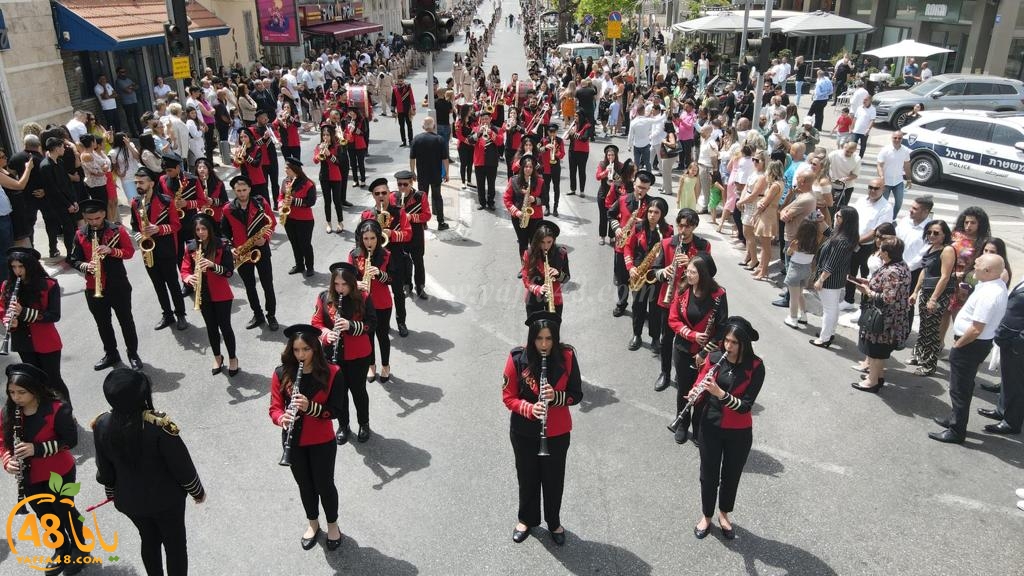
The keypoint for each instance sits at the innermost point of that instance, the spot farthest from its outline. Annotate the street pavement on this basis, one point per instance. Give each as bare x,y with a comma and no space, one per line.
837,482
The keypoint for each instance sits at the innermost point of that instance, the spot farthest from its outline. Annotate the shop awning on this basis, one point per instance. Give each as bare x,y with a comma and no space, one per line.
343,28
109,25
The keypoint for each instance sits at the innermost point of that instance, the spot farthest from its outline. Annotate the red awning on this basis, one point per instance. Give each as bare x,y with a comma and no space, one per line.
343,28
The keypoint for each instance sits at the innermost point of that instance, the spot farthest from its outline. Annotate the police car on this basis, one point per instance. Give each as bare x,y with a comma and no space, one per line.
971,146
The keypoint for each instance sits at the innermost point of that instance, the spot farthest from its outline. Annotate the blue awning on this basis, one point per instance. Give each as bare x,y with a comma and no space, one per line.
106,26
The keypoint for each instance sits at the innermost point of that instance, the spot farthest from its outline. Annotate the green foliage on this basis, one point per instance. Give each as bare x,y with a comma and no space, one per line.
693,7
784,53
601,8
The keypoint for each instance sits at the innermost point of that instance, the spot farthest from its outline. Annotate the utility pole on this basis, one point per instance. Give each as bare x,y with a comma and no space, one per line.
762,65
743,37
178,42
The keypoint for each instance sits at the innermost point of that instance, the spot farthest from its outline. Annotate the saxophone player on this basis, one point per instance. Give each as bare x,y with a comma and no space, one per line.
545,259
522,193
552,150
398,237
206,268
250,219
299,194
619,216
115,247
650,230
162,226
187,194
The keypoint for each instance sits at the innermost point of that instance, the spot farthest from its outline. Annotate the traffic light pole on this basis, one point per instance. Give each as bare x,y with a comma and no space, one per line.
431,111
177,16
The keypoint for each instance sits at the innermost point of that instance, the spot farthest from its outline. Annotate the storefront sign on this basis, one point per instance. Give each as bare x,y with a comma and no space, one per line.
928,10
277,22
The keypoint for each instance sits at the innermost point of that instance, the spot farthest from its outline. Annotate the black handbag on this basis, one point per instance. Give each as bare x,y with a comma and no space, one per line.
872,319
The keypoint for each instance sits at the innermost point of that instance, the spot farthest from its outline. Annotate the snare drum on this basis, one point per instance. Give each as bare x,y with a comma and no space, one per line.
358,98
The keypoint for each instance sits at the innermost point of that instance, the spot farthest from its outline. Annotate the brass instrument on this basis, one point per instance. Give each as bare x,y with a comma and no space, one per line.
146,243
5,347
22,474
286,204
543,448
570,131
208,209
248,252
682,419
197,271
323,151
510,121
239,156
553,159
97,263
644,273
293,411
526,210
627,230
536,120
549,284
385,219
177,197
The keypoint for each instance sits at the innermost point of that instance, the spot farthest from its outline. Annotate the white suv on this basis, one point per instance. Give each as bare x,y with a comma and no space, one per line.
977,147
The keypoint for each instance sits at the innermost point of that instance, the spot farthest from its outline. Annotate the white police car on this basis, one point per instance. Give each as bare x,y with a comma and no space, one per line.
971,146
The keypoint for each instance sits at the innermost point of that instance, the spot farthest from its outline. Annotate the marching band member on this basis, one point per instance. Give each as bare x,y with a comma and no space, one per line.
528,147
579,153
263,137
33,324
695,317
529,400
649,231
512,134
212,188
115,291
676,251
525,183
545,258
343,312
726,424
552,150
416,205
249,161
403,105
249,219
607,169
183,189
162,226
372,261
47,435
357,130
464,128
333,161
210,257
144,465
286,128
298,193
314,451
486,143
626,208
398,231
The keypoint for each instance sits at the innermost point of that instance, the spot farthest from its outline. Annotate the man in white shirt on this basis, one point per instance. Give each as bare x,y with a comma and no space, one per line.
872,210
639,138
76,126
973,331
844,166
893,166
910,229
863,120
858,97
177,130
107,96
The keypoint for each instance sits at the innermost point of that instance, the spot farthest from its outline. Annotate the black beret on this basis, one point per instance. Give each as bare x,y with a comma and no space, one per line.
294,329
91,206
343,266
293,162
20,252
126,390
551,227
742,325
240,178
543,316
170,160
404,175
611,147
378,182
27,370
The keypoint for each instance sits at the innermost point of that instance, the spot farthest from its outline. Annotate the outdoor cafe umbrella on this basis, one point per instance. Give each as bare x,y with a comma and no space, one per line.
820,24
718,22
905,49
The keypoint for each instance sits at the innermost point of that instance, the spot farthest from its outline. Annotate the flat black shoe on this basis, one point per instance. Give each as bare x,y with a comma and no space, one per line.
342,436
308,273
442,226
990,387
481,207
135,363
364,434
661,383
272,323
941,422
990,413
180,324
333,544
346,204
820,344
518,536
296,270
255,322
421,294
309,543
729,534
54,254
634,343
619,311
701,534
781,302
1001,428
403,331
874,389
559,538
107,361
946,437
164,323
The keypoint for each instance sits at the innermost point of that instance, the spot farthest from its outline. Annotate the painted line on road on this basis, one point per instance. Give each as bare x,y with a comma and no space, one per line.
976,505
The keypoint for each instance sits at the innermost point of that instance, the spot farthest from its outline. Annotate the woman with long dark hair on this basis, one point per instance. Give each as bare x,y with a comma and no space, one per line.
357,133
248,158
726,423
932,294
299,193
347,319
541,380
525,183
544,253
210,257
212,188
834,258
148,154
648,232
607,169
124,162
313,452
464,128
371,260
333,161
144,466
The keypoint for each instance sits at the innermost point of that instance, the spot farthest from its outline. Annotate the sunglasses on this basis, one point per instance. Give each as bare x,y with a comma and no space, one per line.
758,160
874,187
934,232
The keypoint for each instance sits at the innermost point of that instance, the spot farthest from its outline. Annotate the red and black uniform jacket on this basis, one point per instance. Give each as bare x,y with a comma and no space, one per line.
402,99
669,246
303,199
486,153
241,223
512,137
191,192
287,133
642,241
334,167
580,143
40,313
533,275
513,198
621,210
604,170
355,340
160,212
544,156
53,432
113,276
463,130
688,317
261,139
520,390
252,165
356,134
215,280
380,289
401,230
741,384
317,427
216,196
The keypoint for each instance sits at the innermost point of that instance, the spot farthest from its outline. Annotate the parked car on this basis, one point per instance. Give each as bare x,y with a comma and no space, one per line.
971,146
953,92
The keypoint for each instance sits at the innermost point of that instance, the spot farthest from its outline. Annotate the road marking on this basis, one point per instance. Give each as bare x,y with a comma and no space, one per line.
976,505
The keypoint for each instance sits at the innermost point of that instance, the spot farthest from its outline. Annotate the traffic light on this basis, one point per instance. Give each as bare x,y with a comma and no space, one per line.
426,31
445,31
177,39
409,32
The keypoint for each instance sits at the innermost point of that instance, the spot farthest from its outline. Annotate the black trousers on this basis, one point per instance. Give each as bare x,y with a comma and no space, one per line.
120,304
524,235
354,372
466,165
667,343
48,362
1011,393
645,308
131,112
485,177
313,470
509,157
383,333
271,170
538,474
164,276
248,273
685,156
405,123
737,220
333,191
578,169
416,250
217,316
602,212
621,279
210,140
686,374
291,151
436,200
858,267
963,369
357,163
723,453
817,110
163,530
398,282
96,193
552,181
300,236
68,515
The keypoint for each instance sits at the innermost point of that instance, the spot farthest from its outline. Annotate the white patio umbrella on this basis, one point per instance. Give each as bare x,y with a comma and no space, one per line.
906,49
718,22
821,24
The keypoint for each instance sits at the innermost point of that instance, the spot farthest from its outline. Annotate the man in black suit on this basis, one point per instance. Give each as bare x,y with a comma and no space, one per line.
59,195
28,202
1009,409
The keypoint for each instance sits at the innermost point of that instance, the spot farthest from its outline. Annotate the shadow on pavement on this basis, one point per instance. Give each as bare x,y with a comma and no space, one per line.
909,395
117,570
246,386
1009,449
423,346
350,558
775,554
86,448
580,556
381,455
435,306
410,396
163,381
455,239
760,463
595,397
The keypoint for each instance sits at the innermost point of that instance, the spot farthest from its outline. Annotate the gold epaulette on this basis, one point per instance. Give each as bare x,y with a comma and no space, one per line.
162,420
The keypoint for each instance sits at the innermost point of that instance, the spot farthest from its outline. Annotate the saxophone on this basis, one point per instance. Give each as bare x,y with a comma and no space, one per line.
366,272
146,243
385,219
286,204
549,284
97,262
627,230
197,255
644,273
526,210
248,253
177,197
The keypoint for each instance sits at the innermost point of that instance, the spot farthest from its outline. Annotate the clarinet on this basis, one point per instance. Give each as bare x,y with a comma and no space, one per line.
339,344
543,450
683,418
293,411
5,346
22,475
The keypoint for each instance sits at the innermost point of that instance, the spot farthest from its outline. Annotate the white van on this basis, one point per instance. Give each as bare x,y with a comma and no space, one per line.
582,49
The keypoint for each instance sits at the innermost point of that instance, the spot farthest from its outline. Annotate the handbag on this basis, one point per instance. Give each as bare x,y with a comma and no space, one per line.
872,319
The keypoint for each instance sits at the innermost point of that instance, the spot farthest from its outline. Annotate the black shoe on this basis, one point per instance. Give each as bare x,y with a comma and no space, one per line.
634,343
403,145
619,311
1001,428
333,544
420,293
554,213
941,422
309,543
729,534
342,436
559,538
364,434
481,207
781,302
255,322
824,344
656,345
570,193
54,254
135,362
164,322
442,226
233,373
518,536
54,567
701,534
661,383
346,204
990,387
371,378
402,330
308,273
272,323
180,324
296,270
874,389
989,413
107,361
946,437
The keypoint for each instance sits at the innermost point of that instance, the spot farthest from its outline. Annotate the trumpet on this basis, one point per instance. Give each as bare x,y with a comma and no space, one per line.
293,411
526,210
570,131
286,204
322,151
146,244
239,156
177,197
5,347
385,219
682,419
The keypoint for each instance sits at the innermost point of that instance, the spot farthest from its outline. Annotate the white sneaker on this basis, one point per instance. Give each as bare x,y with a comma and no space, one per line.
791,322
1020,493
847,307
1020,505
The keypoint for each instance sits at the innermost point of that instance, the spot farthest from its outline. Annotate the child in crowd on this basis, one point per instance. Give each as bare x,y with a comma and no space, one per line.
841,130
715,196
801,252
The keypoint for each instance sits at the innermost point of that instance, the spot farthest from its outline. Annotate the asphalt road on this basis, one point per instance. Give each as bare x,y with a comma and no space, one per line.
837,483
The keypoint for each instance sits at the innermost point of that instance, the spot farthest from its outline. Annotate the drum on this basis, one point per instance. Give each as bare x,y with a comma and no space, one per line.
359,99
523,87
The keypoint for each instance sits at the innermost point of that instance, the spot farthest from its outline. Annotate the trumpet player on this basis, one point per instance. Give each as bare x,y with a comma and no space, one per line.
114,247
333,161
543,260
676,252
649,231
249,220
726,422
298,193
184,190
621,217
607,169
208,265
487,143
398,236
523,192
512,134
579,152
262,136
552,150
357,129
249,162
162,226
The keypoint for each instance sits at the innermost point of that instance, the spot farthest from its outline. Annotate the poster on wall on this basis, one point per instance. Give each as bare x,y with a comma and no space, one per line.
277,22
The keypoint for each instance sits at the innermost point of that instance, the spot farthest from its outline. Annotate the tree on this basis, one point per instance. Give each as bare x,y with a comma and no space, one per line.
601,8
566,9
